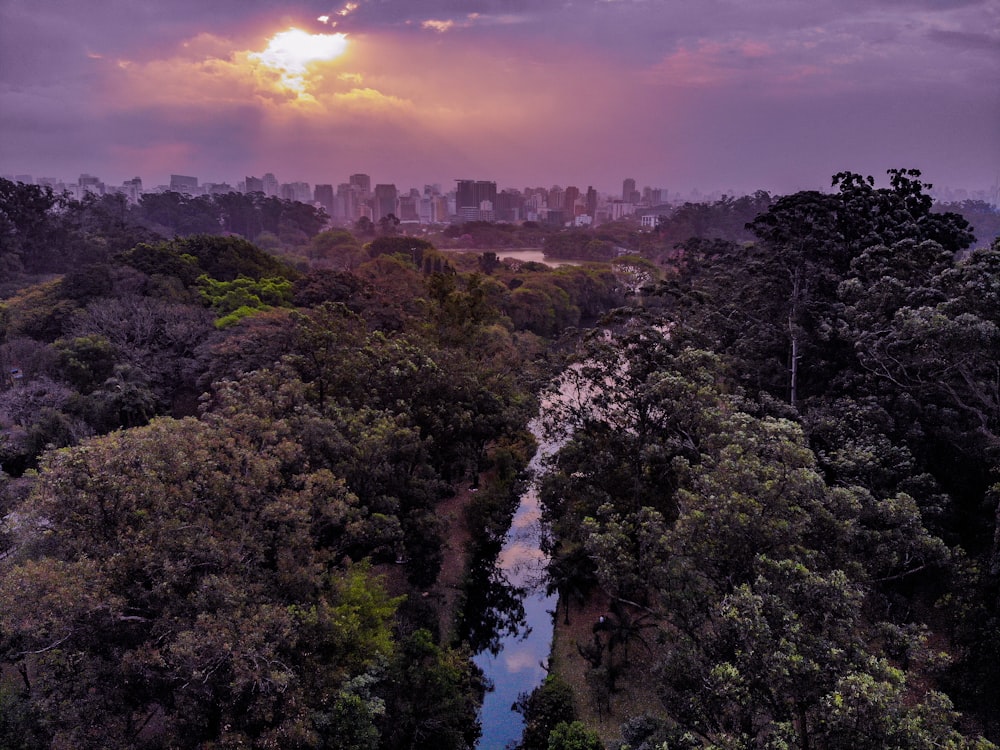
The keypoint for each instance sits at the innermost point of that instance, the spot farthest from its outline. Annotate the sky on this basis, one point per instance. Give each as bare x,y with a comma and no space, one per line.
713,95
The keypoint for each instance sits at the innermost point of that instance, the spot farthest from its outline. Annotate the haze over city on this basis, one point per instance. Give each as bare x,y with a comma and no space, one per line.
712,95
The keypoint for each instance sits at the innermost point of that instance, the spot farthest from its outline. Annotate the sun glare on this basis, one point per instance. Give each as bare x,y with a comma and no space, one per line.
290,53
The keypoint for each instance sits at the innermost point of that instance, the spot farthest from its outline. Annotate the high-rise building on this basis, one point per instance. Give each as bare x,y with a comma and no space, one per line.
363,182
218,188
323,195
628,188
509,206
385,201
433,209
409,208
591,201
555,217
345,207
533,203
132,189
295,191
180,183
253,185
621,209
555,198
271,185
569,199
89,184
472,197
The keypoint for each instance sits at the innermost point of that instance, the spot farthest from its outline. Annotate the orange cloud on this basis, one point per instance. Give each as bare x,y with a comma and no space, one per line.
469,102
294,69
439,26
292,52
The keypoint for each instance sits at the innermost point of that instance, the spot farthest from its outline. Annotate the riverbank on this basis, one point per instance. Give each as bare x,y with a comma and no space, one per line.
635,687
446,593
487,591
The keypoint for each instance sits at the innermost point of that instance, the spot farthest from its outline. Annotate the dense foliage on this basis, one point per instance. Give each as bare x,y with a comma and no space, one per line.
224,472
778,477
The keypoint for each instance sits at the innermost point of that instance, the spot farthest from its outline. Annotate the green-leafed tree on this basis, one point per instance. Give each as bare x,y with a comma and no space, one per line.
222,258
545,708
761,590
170,588
435,697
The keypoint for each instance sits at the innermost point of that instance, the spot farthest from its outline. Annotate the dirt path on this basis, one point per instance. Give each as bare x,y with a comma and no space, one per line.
447,590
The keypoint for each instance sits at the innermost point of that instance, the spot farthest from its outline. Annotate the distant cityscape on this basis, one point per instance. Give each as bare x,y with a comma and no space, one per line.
470,200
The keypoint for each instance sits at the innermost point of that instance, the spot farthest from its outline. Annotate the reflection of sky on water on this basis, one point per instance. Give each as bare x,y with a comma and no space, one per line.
524,256
528,518
517,667
518,661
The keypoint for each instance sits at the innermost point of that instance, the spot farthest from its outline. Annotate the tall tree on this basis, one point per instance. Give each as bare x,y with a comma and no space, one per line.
179,593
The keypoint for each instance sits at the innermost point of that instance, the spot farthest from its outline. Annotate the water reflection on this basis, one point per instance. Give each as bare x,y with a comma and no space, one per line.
510,616
494,607
524,256
513,657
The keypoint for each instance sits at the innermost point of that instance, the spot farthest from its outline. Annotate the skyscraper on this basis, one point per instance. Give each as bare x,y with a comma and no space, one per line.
569,199
509,205
556,198
362,181
132,189
90,184
409,208
628,190
475,200
181,183
346,206
271,185
295,191
323,195
385,201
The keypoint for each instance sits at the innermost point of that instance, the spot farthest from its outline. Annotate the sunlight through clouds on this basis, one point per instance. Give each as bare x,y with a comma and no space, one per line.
291,52
291,71
444,85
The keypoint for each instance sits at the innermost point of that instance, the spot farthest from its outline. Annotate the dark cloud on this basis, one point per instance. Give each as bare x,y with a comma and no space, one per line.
968,40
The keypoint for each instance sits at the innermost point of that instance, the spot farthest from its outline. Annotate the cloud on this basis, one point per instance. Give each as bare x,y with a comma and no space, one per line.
439,26
739,62
966,40
294,69
521,91
520,659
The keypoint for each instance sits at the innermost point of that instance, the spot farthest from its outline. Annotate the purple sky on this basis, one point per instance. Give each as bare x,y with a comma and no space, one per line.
726,95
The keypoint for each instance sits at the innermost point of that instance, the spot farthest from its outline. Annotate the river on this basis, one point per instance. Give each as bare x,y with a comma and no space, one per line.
514,661
523,255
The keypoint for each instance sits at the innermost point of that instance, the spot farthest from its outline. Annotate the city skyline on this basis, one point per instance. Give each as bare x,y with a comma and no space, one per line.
136,186
718,96
469,200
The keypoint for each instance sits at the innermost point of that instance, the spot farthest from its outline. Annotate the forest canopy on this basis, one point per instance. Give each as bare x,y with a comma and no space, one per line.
236,445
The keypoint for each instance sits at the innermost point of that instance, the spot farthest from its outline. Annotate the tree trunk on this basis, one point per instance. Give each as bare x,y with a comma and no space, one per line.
793,336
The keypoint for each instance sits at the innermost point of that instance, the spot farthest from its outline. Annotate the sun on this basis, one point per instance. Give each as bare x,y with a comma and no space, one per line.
290,53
